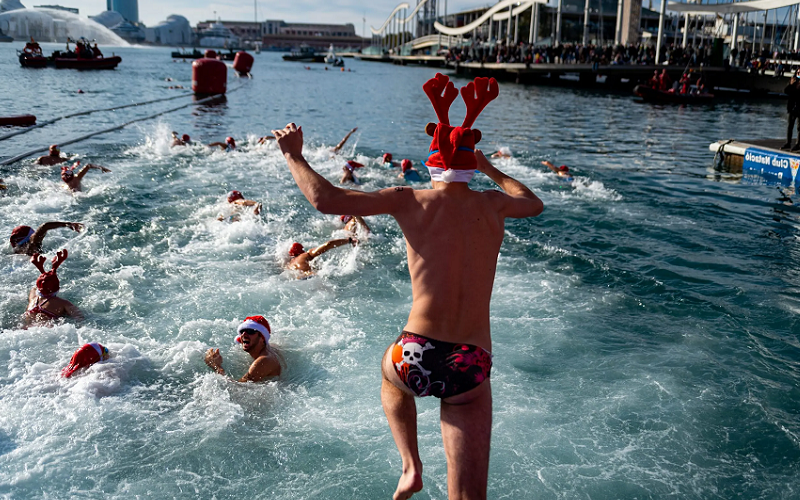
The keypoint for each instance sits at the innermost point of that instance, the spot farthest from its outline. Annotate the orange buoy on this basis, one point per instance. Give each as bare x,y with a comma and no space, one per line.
209,76
210,53
242,63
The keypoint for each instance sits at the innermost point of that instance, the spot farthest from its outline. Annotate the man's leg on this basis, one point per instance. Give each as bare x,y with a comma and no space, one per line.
797,144
401,412
789,131
466,431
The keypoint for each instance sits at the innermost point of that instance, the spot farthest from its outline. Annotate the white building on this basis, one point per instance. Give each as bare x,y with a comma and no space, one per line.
175,30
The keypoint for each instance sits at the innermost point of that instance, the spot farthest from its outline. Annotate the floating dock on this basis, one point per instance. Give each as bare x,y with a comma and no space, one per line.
759,159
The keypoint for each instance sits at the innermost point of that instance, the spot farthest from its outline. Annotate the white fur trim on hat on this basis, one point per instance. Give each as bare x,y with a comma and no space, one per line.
450,175
253,325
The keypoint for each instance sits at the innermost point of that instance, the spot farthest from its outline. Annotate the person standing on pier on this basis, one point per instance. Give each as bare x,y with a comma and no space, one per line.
453,237
793,107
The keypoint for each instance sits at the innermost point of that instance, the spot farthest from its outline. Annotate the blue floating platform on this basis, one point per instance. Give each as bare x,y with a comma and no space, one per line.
760,159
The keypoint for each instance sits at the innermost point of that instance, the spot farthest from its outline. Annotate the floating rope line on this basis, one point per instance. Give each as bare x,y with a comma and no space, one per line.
82,113
105,131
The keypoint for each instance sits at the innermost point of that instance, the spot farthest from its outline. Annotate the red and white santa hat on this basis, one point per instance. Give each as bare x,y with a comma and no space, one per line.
257,323
84,357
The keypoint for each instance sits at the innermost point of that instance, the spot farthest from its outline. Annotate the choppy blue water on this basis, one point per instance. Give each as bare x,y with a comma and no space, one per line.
645,325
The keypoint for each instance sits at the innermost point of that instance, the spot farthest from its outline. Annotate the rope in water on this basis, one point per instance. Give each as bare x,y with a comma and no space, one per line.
82,113
104,131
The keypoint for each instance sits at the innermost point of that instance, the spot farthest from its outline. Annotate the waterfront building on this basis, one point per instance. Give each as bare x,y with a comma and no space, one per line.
128,8
246,31
216,35
278,34
57,7
175,30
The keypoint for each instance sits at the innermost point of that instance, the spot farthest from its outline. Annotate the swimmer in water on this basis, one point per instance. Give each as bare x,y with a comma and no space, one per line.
43,304
54,158
354,223
562,171
263,140
24,240
73,180
347,173
253,334
301,259
227,146
453,237
85,357
238,199
503,152
409,174
387,161
183,140
2,186
339,146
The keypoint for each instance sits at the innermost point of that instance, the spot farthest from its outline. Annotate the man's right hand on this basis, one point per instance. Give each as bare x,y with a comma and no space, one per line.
290,140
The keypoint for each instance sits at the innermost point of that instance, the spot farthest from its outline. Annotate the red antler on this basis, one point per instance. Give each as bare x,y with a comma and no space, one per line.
487,91
59,259
441,102
38,261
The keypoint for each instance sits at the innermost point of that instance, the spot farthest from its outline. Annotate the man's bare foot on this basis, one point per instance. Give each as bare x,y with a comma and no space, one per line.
410,482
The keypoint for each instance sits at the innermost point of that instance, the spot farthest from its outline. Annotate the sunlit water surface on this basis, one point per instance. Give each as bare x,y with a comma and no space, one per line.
645,325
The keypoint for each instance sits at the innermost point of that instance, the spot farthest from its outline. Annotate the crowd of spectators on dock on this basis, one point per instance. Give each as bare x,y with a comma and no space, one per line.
523,52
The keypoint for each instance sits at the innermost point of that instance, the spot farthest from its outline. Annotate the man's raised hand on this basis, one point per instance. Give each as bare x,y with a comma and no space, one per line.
290,140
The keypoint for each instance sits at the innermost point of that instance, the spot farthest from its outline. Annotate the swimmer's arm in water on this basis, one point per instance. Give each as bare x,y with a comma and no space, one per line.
519,201
91,166
341,143
73,311
214,360
262,368
220,145
263,140
250,203
41,231
330,245
328,198
550,166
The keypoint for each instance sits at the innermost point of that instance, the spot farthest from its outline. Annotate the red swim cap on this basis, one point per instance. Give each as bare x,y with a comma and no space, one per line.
296,250
85,357
345,218
20,235
185,137
563,168
387,157
230,140
405,164
235,195
350,165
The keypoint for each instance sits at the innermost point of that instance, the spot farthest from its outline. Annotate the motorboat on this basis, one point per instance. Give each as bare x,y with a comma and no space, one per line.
305,54
84,57
332,59
181,54
649,94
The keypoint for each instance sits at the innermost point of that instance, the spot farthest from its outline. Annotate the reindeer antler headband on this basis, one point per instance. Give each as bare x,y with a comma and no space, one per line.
48,283
453,148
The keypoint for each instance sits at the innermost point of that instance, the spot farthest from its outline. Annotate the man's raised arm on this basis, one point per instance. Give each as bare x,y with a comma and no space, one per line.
323,195
522,201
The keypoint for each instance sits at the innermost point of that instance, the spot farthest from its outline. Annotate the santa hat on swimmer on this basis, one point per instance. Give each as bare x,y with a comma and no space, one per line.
20,235
257,323
452,152
296,250
387,157
406,164
85,357
48,283
352,165
235,195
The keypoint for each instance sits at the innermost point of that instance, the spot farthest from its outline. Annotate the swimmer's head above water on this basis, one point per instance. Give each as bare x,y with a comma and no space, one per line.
406,165
252,324
235,195
296,250
54,151
387,157
85,357
451,157
20,235
563,168
230,142
68,173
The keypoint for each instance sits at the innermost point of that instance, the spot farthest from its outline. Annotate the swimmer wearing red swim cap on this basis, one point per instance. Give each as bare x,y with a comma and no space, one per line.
238,199
301,260
24,240
44,305
562,171
72,177
85,357
228,145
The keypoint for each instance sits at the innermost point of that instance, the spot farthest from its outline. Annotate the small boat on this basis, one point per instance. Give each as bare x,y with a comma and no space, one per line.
228,56
79,63
332,59
305,54
17,121
649,94
180,54
32,60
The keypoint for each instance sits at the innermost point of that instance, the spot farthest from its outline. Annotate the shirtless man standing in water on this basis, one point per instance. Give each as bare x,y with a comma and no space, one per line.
453,236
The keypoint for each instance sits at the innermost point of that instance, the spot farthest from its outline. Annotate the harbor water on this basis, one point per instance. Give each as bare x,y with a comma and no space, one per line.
645,331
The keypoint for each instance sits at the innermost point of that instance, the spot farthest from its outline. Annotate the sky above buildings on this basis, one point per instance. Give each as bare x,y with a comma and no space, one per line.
151,12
